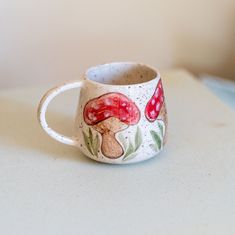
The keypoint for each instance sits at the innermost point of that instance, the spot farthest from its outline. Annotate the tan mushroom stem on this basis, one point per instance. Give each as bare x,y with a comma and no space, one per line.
110,147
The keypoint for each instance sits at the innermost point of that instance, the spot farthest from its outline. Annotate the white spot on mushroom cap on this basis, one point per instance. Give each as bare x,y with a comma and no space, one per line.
95,106
158,107
153,113
123,104
107,114
108,101
156,92
92,117
153,101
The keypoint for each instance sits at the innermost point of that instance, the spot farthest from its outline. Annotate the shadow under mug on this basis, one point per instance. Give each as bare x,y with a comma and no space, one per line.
121,116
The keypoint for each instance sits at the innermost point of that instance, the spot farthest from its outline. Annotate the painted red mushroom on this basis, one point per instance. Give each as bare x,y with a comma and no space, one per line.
156,107
109,114
155,104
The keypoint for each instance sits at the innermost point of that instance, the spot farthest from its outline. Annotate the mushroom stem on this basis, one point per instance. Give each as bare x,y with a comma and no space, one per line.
163,114
110,147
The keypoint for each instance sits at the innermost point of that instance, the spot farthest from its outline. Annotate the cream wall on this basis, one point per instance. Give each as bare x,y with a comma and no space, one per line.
48,41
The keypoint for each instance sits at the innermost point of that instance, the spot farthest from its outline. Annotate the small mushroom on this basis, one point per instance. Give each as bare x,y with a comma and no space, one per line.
109,114
156,107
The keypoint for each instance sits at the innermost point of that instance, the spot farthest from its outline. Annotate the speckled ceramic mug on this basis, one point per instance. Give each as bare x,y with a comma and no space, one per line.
121,116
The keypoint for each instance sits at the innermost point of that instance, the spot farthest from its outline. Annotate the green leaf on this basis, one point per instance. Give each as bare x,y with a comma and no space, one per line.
129,151
96,145
154,147
138,138
129,157
156,139
87,142
91,137
160,126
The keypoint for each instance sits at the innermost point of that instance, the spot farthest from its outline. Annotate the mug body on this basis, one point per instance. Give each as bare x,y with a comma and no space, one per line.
121,116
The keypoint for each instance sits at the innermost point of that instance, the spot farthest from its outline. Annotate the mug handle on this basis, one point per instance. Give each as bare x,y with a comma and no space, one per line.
42,108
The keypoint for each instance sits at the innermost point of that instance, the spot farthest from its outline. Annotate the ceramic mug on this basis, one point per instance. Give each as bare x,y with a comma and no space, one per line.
121,115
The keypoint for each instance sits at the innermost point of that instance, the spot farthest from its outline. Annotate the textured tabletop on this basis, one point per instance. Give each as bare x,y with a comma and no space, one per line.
50,188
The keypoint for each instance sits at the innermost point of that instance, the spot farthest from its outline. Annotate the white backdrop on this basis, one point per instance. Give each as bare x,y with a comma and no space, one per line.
48,41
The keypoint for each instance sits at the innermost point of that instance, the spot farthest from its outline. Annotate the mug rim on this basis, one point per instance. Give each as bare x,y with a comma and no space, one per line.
157,77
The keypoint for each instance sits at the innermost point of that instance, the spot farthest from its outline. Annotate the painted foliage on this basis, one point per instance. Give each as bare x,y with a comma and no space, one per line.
155,110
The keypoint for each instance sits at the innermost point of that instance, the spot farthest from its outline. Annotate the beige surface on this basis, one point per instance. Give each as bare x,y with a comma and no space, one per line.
50,188
56,40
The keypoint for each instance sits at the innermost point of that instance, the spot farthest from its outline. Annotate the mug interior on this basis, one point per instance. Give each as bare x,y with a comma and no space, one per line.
121,73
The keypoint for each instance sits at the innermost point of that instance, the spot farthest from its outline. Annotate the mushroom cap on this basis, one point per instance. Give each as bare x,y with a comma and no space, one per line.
111,104
155,104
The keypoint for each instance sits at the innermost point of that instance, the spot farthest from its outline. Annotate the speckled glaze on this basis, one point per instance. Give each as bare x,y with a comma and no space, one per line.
112,135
